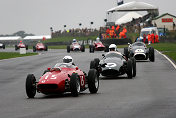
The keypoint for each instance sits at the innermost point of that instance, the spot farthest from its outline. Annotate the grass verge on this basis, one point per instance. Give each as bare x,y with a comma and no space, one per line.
8,55
168,49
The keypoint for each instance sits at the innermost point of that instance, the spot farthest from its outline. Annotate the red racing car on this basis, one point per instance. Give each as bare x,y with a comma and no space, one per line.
64,77
98,46
40,46
21,45
75,46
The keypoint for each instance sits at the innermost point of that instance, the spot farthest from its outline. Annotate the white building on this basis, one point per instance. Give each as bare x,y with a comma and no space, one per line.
166,20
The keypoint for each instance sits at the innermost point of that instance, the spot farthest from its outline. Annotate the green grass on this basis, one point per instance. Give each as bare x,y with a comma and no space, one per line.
171,55
164,46
8,55
168,49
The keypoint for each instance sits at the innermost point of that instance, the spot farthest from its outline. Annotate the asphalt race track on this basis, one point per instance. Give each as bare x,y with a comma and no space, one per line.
151,94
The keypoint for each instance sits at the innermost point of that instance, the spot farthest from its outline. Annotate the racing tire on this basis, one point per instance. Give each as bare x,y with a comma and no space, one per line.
96,60
34,49
126,52
151,54
31,86
82,48
46,48
75,85
3,46
91,49
106,48
26,47
68,49
16,47
92,65
129,69
134,66
93,81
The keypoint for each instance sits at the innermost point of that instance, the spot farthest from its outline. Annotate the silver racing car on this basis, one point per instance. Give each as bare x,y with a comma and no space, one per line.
114,64
139,51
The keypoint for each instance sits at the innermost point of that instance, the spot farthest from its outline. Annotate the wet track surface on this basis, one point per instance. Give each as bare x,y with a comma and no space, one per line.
151,94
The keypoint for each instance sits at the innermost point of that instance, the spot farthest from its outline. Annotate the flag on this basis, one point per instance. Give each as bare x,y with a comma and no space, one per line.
119,2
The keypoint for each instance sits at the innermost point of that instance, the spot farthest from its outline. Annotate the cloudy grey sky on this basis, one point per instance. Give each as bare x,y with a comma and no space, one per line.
37,16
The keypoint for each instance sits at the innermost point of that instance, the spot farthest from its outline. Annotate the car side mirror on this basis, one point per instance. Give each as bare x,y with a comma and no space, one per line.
103,55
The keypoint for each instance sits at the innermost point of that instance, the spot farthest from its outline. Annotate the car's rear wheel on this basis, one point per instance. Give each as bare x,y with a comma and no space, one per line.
151,54
3,46
129,69
46,48
30,86
92,65
75,85
16,47
134,66
93,81
126,52
68,49
91,49
106,48
34,49
82,48
26,47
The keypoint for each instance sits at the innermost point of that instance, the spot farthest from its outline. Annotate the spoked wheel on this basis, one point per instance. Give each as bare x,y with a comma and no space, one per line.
134,66
106,48
129,69
46,48
16,47
82,48
3,47
68,49
93,81
34,49
26,47
30,86
91,49
126,52
92,65
151,54
75,85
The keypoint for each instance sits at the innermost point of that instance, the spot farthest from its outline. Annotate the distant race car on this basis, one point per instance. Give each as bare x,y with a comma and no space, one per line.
75,46
2,45
114,64
64,77
98,46
39,47
139,51
21,45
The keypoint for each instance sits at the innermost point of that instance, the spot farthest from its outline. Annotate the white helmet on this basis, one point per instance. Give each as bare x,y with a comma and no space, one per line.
97,39
112,47
67,59
74,40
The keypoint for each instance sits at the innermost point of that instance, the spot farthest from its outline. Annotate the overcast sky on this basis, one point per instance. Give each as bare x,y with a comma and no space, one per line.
37,16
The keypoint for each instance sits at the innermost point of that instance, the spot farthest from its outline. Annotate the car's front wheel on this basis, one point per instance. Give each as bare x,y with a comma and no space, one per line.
75,85
30,86
151,54
93,81
129,69
134,66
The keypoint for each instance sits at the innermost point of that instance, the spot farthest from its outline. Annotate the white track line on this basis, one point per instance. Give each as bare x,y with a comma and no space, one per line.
167,59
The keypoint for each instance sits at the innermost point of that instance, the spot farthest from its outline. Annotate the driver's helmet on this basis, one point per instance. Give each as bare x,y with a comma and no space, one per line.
74,40
112,47
97,39
67,59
